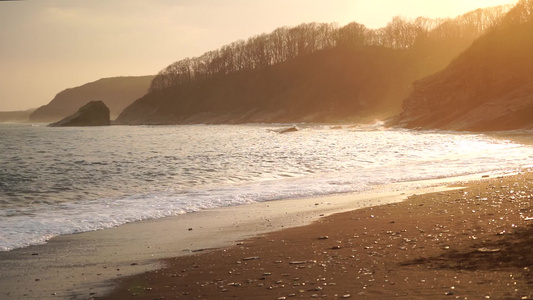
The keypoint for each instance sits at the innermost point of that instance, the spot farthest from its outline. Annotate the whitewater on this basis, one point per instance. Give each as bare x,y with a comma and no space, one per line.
57,181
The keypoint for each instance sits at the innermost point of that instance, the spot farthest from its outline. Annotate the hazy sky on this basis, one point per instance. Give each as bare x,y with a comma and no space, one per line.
47,46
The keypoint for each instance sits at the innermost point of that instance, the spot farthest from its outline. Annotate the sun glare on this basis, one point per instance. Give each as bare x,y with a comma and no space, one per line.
378,13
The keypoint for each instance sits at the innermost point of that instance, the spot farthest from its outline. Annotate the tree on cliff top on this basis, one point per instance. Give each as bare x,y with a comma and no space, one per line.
287,43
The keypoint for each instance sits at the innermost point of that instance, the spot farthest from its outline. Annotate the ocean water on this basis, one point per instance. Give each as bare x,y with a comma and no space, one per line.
56,181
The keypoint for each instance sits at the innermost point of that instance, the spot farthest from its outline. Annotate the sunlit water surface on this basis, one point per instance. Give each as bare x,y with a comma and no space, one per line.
57,181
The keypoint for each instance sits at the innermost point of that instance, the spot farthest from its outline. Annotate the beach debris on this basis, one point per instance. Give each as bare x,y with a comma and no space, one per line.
325,237
488,250
297,262
287,130
190,229
251,258
336,247
346,296
203,249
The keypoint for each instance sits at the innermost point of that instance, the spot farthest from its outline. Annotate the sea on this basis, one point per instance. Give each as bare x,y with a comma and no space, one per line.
58,181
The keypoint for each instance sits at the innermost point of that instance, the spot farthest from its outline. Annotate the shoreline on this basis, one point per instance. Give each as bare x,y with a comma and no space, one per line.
85,265
472,242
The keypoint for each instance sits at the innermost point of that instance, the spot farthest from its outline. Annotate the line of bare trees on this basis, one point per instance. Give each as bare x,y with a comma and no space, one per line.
288,43
521,13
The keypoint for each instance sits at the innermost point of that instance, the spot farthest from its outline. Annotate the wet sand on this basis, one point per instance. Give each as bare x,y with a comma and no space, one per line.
84,266
474,242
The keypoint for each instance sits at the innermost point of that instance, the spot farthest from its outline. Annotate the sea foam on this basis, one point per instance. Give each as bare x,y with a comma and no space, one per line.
68,180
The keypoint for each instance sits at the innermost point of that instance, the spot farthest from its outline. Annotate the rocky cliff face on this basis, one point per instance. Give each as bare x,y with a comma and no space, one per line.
116,93
489,87
94,113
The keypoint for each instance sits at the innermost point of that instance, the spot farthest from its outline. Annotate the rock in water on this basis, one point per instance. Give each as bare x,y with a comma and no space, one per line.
94,113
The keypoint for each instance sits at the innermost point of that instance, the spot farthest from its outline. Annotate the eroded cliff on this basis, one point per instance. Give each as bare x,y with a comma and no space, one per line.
489,87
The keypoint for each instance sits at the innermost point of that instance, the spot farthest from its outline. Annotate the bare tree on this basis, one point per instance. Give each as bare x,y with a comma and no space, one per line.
286,43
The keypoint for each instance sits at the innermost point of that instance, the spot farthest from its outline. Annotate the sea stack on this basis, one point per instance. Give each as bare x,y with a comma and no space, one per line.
94,113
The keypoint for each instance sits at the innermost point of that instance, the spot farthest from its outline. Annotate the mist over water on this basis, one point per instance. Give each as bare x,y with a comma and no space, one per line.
57,181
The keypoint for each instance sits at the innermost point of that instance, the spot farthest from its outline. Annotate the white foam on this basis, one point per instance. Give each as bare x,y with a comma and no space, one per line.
192,174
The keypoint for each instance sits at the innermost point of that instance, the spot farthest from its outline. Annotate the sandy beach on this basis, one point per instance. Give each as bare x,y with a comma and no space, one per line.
85,265
470,243
447,240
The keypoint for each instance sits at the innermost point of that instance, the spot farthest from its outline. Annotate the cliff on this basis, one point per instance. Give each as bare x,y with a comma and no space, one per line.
308,73
94,113
327,86
115,92
15,116
335,85
489,87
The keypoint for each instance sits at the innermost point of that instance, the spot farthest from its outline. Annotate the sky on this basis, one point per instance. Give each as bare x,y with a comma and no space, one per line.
47,46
